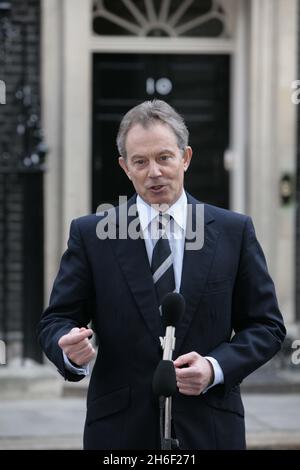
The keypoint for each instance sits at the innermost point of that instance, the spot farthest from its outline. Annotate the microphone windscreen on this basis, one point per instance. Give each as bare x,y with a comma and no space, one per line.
164,379
172,306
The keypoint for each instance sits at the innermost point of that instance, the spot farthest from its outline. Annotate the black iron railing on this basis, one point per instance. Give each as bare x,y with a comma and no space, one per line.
22,166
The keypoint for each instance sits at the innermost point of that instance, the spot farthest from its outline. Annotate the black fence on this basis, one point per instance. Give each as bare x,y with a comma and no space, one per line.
21,259
22,155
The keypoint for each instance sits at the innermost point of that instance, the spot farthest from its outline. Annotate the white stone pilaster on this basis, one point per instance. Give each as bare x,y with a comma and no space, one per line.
286,147
77,89
272,147
238,118
66,94
51,106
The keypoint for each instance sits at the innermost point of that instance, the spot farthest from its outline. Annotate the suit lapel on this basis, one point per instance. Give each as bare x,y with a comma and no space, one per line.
133,260
196,267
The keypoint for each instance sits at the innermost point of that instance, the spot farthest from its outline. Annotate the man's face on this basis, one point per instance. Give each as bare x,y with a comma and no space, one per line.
155,164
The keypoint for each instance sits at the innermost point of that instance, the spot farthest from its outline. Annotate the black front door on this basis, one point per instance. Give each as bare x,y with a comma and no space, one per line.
196,85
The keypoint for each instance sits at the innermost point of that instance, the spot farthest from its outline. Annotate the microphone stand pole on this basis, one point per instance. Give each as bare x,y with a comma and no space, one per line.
164,381
168,417
167,442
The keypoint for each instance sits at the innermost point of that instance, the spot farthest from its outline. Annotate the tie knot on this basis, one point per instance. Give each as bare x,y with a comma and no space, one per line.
163,221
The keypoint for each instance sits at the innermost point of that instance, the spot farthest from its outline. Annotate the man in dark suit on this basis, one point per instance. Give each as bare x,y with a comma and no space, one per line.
231,324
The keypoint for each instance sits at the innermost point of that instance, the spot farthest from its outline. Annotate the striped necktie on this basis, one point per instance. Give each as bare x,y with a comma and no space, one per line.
162,261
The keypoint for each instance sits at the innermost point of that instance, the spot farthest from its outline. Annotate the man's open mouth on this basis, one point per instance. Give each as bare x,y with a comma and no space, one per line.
157,187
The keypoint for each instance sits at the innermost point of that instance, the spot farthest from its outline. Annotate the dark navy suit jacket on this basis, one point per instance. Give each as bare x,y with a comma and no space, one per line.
231,314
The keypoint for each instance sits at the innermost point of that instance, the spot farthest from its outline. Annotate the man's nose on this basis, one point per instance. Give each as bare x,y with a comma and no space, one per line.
154,170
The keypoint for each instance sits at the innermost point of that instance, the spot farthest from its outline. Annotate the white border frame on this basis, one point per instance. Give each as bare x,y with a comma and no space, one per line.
161,45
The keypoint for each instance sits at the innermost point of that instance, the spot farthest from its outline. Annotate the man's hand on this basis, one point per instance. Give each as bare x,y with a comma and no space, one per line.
77,346
196,376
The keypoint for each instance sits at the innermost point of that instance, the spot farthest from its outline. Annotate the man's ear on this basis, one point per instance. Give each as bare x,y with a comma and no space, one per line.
123,165
187,157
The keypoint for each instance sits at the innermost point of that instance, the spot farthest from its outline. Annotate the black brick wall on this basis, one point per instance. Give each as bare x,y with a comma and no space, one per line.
19,66
11,249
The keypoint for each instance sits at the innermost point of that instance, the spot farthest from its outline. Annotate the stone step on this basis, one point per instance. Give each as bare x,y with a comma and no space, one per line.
29,381
263,381
269,380
41,443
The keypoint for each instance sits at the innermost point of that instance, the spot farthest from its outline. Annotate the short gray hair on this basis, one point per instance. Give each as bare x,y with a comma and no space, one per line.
148,113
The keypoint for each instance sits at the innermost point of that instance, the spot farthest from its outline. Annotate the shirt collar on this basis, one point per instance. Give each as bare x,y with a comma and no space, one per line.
147,213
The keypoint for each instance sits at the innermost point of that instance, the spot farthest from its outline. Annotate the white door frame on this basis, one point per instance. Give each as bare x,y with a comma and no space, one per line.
236,48
78,101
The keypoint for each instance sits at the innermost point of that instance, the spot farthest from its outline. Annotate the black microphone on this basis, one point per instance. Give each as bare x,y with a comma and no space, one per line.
172,306
164,379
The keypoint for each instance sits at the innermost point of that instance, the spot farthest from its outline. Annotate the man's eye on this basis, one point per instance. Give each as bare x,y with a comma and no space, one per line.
139,162
164,158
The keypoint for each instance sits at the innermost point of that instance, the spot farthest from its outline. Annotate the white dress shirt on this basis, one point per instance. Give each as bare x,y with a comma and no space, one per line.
176,234
175,231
